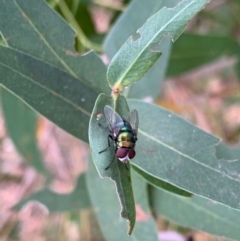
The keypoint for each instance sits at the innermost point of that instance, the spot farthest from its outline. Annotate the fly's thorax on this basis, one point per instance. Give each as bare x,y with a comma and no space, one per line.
126,127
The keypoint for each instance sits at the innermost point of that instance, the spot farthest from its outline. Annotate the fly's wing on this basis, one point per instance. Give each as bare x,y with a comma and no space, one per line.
114,120
133,121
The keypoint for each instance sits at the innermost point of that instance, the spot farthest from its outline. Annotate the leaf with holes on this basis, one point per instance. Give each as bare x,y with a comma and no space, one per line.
177,152
139,53
137,12
105,200
118,172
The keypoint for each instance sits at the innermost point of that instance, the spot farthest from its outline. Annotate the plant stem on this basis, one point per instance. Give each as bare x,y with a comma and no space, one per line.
80,35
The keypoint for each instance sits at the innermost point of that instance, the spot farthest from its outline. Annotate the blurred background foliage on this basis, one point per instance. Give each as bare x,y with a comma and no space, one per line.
201,84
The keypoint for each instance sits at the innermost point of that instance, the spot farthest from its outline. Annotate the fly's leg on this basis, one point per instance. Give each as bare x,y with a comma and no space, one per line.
109,144
111,161
103,127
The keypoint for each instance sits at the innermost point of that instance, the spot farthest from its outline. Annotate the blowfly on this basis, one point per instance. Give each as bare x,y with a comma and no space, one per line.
123,134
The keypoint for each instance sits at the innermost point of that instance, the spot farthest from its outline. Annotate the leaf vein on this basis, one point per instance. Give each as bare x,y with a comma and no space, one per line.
151,40
185,155
49,90
46,42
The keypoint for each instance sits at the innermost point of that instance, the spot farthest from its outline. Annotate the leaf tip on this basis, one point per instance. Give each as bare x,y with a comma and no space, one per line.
130,227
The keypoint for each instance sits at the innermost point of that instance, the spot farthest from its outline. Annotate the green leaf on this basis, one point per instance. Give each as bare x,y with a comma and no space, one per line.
184,156
118,172
224,151
55,94
130,20
192,51
150,84
2,42
161,184
135,15
198,213
139,53
89,228
105,201
78,199
37,30
21,123
145,225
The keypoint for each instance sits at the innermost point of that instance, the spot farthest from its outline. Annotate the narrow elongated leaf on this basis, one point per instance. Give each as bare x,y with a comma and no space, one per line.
161,184
55,94
21,123
118,172
135,15
130,20
105,201
56,202
88,225
37,30
137,56
175,151
192,51
145,225
150,84
198,213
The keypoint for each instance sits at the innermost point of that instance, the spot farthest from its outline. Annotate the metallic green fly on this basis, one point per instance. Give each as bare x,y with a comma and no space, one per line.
122,133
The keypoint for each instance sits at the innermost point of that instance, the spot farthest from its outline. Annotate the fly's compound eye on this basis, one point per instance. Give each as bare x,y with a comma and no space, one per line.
122,152
131,154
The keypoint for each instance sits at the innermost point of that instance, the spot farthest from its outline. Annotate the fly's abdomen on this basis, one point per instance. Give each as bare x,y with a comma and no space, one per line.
125,139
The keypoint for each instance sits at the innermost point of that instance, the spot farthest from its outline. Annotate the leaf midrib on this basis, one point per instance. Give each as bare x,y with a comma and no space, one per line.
49,90
144,49
122,191
183,154
46,42
198,207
